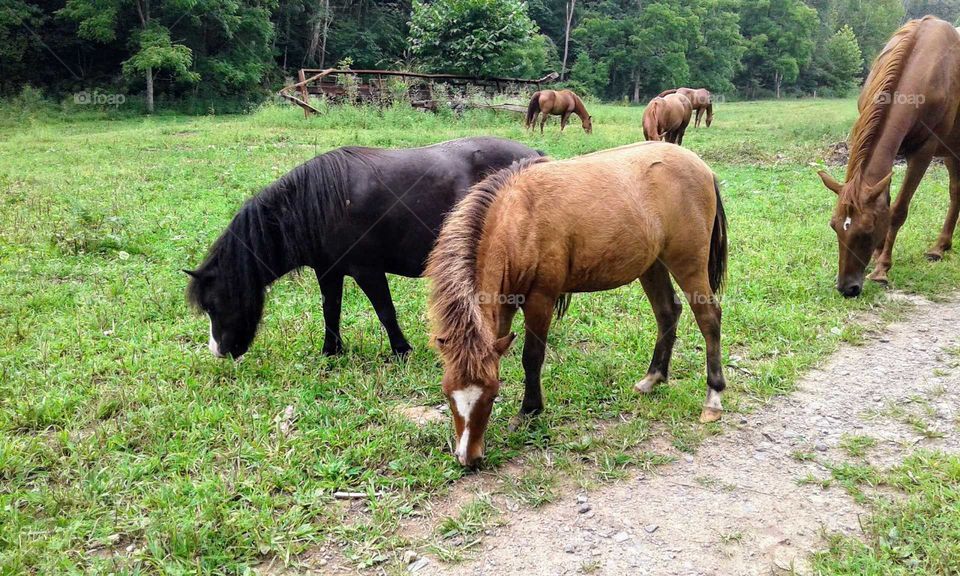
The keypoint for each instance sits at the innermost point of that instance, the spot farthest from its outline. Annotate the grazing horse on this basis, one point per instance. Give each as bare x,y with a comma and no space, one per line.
561,103
700,99
667,118
359,212
910,104
529,236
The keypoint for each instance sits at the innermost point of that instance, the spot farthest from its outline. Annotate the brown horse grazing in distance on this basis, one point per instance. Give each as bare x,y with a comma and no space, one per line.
700,98
667,118
530,235
910,104
561,103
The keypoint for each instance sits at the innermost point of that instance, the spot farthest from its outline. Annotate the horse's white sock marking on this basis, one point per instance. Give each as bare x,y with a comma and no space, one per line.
212,344
713,399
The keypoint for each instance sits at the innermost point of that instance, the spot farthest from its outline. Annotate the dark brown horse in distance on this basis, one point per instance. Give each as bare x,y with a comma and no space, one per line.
667,118
532,234
910,104
700,98
561,103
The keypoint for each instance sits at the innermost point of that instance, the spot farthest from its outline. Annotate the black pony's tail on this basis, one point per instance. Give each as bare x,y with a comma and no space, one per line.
533,108
717,267
562,305
710,112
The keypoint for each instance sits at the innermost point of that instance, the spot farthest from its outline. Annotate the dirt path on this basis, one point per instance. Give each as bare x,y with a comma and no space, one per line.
736,507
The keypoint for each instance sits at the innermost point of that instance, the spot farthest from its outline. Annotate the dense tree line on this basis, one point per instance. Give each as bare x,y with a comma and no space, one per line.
615,49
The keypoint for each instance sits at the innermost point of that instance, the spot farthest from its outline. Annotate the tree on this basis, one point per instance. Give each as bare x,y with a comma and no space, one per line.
715,56
873,22
949,10
479,37
779,37
587,76
107,20
571,6
843,61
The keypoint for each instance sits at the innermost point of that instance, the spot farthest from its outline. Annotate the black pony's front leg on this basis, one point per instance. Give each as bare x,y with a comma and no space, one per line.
374,285
331,287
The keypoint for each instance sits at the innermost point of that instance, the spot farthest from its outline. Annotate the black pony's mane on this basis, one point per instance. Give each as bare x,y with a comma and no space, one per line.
279,229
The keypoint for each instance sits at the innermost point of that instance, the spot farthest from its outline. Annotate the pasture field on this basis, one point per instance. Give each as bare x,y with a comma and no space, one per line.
126,447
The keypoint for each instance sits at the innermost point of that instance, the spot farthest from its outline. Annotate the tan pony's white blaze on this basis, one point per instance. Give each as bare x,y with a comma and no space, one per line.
464,401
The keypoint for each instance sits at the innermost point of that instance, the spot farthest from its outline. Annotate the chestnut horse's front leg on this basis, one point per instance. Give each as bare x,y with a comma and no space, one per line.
945,240
537,313
917,165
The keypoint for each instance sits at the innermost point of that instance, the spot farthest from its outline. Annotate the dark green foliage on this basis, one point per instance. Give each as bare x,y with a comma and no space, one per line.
481,37
214,54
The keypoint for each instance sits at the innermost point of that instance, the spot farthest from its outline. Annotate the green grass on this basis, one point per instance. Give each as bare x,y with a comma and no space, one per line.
126,447
918,534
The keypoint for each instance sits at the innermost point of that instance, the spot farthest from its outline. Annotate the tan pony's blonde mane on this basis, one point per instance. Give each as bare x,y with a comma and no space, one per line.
878,96
454,307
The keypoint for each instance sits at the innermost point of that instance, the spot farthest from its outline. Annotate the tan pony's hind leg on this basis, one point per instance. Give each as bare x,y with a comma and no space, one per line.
945,241
659,289
706,309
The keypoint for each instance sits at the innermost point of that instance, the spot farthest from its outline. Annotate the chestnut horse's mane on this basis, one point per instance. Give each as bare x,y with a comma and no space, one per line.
877,96
452,267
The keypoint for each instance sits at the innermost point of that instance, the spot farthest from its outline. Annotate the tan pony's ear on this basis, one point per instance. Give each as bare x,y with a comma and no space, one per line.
503,344
830,182
879,188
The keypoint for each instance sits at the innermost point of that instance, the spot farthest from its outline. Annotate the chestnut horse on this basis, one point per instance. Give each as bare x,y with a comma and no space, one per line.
700,99
667,118
530,235
561,103
910,104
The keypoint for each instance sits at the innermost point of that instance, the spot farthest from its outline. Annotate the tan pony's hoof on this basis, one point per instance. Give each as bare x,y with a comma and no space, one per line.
646,385
710,415
879,276
934,256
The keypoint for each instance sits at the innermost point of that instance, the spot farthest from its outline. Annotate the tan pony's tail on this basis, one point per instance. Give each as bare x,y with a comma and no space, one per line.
717,266
533,108
651,128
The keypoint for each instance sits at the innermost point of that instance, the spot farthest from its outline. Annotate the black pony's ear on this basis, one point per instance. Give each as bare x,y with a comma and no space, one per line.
190,273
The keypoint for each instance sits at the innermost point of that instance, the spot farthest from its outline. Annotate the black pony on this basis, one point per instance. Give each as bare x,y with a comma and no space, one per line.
359,212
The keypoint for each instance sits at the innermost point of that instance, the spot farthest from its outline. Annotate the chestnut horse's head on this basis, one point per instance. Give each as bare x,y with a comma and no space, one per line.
861,220
588,124
471,394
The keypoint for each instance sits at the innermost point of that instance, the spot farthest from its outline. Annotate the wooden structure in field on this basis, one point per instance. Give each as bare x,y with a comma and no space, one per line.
375,86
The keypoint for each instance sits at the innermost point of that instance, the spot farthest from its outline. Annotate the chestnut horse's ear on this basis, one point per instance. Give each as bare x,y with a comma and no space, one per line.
503,344
830,182
879,188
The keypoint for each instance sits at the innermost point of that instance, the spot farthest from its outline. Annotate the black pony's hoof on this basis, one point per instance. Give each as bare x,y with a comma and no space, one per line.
336,350
521,419
402,352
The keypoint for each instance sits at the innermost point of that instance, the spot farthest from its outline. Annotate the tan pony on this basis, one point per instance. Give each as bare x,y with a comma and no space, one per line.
910,104
560,103
530,235
700,99
667,118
